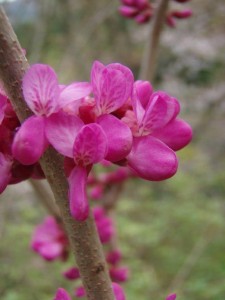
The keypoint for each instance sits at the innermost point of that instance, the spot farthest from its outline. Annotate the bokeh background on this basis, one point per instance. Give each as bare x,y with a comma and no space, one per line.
172,233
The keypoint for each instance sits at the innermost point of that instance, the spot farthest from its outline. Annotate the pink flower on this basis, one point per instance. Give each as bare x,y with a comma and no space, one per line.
119,274
108,138
114,257
157,133
44,97
140,10
72,274
118,291
80,292
104,225
177,14
62,294
49,240
171,297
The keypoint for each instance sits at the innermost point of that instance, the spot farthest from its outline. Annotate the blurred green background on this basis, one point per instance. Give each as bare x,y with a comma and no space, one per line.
171,233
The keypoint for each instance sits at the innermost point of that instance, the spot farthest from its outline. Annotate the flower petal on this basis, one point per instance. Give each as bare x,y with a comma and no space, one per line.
112,86
51,251
90,146
62,294
160,110
3,102
61,130
74,92
176,134
119,137
30,142
79,207
41,89
118,292
5,174
152,159
171,297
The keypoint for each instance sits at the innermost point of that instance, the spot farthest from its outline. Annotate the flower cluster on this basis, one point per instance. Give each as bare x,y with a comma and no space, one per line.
50,241
11,170
112,118
142,11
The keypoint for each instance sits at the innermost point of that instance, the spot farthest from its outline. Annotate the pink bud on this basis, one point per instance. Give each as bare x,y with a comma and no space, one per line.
181,1
62,294
80,292
96,192
128,12
114,257
182,14
72,274
119,274
118,291
170,21
171,297
143,18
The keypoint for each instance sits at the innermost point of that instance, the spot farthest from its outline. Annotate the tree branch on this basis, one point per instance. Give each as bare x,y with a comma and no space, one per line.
83,236
149,60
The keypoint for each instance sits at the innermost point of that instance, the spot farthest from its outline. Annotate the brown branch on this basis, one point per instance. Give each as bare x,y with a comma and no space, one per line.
83,236
149,60
46,197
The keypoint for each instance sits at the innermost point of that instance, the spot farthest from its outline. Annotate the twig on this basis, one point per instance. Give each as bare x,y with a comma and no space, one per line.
46,197
83,236
149,60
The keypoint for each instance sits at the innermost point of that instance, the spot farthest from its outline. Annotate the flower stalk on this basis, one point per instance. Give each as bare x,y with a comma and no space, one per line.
149,60
83,236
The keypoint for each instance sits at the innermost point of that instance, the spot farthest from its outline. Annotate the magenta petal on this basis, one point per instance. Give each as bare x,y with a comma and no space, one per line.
3,102
80,292
176,134
62,294
79,207
30,142
119,137
61,130
152,159
50,251
159,111
41,89
112,86
143,90
118,292
5,171
171,297
90,146
73,92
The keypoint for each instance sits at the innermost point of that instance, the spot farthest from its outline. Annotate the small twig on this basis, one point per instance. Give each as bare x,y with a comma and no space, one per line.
191,260
83,236
149,60
46,197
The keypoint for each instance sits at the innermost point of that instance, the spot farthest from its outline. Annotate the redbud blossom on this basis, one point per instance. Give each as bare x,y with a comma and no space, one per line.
49,240
62,294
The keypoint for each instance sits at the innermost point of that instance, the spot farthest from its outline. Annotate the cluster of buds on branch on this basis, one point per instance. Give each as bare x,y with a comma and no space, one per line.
143,10
50,241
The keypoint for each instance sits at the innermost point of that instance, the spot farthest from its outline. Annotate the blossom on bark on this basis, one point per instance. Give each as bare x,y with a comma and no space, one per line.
44,96
49,240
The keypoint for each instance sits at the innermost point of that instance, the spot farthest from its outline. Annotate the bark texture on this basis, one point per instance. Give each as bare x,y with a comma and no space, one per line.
83,236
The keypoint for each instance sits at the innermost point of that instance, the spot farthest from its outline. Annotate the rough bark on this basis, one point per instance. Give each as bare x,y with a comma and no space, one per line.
83,236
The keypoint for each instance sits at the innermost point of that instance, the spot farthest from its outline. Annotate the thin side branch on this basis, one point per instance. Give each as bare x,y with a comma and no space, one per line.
149,60
83,236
